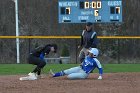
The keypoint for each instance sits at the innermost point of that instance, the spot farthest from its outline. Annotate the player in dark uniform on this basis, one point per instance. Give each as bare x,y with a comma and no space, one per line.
36,57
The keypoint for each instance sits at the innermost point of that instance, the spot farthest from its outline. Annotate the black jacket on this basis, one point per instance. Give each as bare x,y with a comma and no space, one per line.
89,39
41,50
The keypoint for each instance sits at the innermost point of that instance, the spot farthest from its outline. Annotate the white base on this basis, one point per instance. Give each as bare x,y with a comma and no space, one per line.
27,78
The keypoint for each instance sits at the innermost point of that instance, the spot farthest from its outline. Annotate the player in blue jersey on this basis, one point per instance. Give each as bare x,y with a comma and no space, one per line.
81,72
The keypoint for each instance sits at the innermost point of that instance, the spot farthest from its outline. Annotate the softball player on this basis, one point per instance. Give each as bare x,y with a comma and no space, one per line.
81,72
36,57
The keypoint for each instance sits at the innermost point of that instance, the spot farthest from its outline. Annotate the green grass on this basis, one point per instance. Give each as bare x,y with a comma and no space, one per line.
111,68
14,69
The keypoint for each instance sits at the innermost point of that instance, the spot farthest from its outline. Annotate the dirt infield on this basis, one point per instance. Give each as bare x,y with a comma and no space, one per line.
112,83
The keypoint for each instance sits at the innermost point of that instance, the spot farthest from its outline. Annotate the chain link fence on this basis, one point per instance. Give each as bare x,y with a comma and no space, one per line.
40,18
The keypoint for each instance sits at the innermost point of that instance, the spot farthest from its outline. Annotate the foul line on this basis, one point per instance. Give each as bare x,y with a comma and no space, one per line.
68,37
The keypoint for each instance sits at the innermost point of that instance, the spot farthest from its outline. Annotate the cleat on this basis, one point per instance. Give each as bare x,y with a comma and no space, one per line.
51,72
32,76
100,77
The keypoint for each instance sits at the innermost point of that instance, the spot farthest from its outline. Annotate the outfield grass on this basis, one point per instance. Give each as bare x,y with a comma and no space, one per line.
14,69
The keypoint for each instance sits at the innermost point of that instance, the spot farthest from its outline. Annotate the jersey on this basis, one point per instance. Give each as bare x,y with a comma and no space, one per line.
89,39
90,64
41,51
37,51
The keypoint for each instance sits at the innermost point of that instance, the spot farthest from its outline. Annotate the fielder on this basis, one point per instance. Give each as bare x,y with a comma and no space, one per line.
81,72
36,57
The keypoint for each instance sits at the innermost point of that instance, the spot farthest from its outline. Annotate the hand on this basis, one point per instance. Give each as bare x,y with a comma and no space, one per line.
90,48
100,77
79,46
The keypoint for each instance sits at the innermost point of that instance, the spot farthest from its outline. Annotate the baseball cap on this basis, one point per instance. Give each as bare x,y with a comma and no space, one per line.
88,24
94,51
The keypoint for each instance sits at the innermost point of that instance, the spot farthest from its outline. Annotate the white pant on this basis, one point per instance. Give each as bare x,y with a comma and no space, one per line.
76,73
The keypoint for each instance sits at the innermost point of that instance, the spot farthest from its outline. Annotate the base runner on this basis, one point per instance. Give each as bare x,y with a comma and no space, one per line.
81,72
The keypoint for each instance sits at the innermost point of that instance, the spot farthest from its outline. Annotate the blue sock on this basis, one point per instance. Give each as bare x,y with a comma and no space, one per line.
59,74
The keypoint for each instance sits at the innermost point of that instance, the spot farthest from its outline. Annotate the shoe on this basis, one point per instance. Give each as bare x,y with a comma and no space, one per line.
100,77
32,76
51,72
29,74
38,76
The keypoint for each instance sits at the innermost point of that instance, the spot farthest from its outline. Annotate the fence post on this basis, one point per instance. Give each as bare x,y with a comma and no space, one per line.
119,51
76,51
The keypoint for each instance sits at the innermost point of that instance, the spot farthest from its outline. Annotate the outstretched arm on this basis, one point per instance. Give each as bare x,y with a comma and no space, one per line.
100,73
99,66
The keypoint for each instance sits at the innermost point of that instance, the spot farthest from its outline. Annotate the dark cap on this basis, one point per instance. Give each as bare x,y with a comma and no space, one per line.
88,24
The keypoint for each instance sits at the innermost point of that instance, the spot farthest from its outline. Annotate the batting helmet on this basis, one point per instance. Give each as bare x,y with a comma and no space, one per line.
94,51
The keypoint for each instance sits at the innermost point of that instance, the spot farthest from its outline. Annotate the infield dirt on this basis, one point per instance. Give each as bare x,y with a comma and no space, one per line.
111,83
